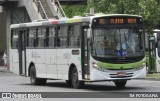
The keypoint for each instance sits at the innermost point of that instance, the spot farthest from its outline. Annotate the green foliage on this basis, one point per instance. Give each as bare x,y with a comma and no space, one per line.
148,9
74,10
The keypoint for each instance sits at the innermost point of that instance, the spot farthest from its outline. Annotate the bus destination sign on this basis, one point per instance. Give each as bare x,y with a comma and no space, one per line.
117,20
121,21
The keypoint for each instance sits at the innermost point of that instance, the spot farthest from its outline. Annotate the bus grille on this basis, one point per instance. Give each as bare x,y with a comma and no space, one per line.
115,75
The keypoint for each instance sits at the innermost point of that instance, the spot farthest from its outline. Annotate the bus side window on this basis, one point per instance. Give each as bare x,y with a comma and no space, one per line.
32,37
57,37
62,36
77,35
27,37
74,36
35,37
51,37
46,41
38,37
44,33
70,36
14,39
41,36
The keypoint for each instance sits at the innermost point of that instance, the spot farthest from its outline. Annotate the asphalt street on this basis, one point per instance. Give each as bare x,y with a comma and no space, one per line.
10,82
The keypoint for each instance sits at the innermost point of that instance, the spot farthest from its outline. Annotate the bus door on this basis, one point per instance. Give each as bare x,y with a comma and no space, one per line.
85,53
22,51
152,55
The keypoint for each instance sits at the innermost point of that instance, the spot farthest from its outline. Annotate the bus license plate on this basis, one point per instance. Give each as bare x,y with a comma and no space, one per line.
119,74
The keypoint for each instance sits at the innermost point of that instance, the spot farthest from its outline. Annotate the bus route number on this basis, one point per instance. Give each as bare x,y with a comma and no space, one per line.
132,20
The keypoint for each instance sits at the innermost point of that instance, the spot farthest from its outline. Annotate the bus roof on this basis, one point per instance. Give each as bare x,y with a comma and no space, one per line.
64,20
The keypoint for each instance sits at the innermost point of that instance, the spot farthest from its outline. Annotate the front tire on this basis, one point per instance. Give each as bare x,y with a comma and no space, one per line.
74,79
33,77
120,84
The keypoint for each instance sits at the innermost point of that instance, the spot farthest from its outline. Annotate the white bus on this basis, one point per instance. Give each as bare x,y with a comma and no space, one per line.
84,49
154,52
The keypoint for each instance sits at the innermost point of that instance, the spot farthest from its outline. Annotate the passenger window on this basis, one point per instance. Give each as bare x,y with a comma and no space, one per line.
41,32
14,39
62,36
74,36
51,37
32,37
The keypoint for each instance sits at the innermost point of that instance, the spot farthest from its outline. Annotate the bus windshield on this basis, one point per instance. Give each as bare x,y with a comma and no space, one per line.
117,42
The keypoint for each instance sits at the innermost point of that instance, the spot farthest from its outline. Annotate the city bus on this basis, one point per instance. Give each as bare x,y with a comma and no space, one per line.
154,52
80,49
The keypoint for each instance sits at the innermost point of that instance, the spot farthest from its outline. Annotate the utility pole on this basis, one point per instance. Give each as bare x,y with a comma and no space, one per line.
91,7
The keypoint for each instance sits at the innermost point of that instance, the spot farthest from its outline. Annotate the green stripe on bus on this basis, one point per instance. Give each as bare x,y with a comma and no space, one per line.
120,66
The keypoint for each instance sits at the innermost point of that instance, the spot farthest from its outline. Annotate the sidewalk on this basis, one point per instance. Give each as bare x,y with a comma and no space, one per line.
4,69
153,76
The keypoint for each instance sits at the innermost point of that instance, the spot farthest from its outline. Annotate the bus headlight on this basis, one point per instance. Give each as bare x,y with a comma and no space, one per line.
99,68
94,65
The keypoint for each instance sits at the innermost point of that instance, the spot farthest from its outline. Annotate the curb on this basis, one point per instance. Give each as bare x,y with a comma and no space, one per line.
155,76
152,79
4,70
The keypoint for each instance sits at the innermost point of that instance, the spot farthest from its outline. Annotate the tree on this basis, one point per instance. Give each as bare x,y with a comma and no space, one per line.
74,10
148,9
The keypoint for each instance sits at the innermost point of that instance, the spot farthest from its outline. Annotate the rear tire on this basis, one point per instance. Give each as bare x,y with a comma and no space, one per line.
74,79
33,77
120,84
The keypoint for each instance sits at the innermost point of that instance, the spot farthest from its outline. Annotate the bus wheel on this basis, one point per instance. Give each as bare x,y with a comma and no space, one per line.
33,78
120,84
74,79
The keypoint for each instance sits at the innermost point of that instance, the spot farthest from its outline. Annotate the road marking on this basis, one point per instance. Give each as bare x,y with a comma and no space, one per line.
147,86
143,85
155,86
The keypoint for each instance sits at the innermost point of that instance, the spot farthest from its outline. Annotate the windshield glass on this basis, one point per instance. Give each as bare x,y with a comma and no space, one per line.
117,42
